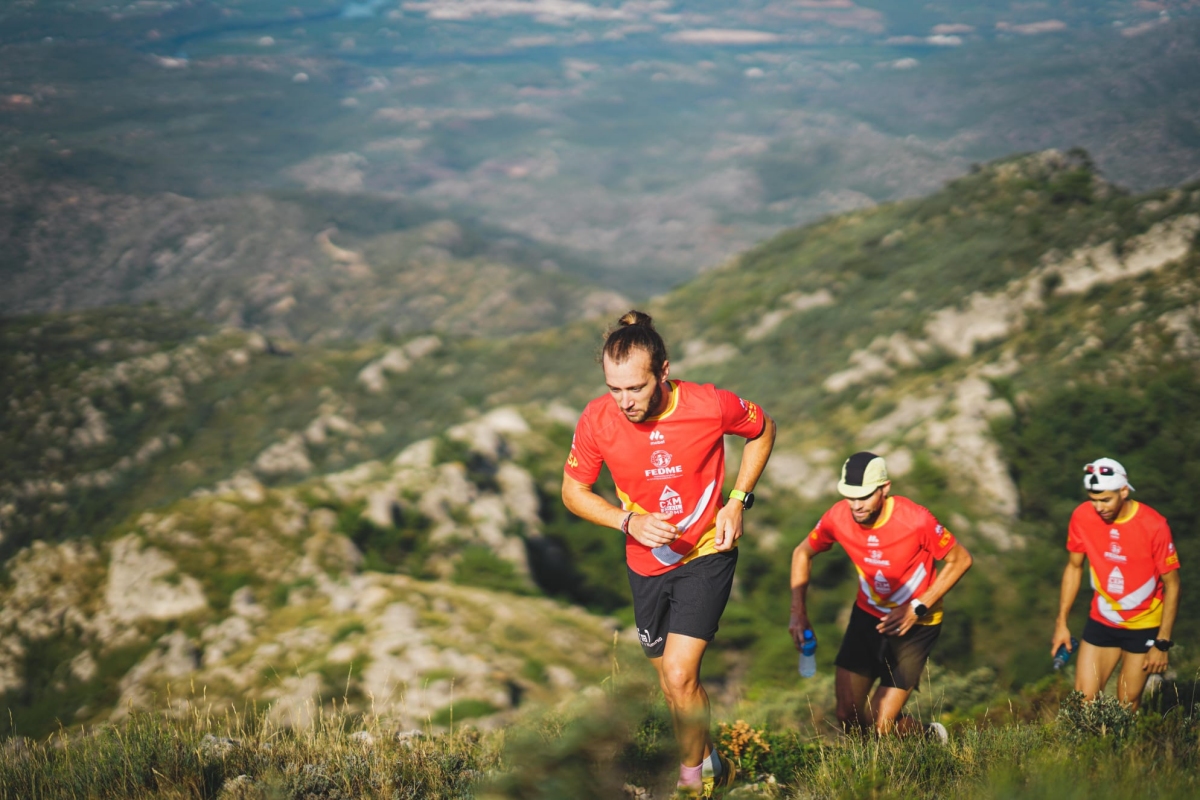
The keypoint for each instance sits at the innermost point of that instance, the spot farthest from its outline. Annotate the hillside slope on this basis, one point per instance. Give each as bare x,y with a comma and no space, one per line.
303,265
988,339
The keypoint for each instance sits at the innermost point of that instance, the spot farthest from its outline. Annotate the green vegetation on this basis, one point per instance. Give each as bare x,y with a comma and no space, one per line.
594,747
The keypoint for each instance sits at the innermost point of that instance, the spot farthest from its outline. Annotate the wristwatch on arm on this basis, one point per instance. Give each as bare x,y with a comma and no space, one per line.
919,608
746,498
1164,644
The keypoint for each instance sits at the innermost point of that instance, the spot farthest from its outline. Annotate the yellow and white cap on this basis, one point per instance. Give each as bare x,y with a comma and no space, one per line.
862,474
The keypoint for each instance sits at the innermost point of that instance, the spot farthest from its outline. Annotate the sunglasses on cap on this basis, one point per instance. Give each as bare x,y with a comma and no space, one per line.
1091,469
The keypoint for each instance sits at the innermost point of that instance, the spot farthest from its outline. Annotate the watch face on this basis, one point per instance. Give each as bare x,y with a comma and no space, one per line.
749,501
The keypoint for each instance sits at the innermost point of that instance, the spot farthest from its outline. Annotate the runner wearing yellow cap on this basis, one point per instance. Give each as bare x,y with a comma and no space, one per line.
893,543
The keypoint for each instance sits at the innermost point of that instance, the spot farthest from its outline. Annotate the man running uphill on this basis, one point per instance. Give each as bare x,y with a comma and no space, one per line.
1134,570
893,543
663,442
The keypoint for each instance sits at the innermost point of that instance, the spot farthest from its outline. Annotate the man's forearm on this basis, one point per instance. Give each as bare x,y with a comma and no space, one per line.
1072,578
801,569
955,565
1170,604
754,457
586,504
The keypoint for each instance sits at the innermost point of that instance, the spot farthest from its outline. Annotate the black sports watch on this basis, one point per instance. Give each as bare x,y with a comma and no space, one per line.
919,608
746,498
1164,644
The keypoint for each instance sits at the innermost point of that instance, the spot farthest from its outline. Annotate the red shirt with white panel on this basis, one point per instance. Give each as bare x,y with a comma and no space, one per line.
894,557
673,463
1127,560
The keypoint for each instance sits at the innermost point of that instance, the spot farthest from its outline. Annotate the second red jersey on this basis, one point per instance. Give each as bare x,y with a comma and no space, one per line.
673,463
894,557
1126,559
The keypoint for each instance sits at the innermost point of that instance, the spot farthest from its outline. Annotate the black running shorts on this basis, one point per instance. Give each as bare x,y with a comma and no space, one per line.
688,600
896,660
1137,640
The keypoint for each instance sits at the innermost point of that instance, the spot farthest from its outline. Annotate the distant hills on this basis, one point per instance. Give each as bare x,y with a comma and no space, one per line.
654,144
988,339
298,265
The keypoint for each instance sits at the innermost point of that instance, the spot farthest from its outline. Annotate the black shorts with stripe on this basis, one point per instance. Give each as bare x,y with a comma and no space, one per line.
895,660
1130,640
687,600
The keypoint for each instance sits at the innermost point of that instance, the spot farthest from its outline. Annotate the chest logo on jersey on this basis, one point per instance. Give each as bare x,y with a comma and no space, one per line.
875,558
1116,582
881,584
670,503
872,541
1114,534
663,470
656,437
1113,553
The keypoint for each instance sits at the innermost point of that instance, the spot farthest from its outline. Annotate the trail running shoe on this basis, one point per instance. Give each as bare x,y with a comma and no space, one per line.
714,784
936,731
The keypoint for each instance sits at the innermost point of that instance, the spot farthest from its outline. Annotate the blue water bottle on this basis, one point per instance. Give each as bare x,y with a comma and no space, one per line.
808,655
1063,655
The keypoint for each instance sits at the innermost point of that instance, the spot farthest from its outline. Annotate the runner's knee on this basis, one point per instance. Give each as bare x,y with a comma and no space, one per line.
679,683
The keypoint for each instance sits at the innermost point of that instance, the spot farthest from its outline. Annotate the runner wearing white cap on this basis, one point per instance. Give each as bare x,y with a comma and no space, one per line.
1134,571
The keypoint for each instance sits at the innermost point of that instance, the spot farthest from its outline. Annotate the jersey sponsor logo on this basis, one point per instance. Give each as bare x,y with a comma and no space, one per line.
881,584
572,461
663,470
751,411
1114,534
875,558
1173,560
872,541
1116,582
945,534
815,534
1113,553
670,503
656,437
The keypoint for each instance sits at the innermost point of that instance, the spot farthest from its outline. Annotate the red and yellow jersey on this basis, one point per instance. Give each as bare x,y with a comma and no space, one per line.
894,557
1127,560
673,463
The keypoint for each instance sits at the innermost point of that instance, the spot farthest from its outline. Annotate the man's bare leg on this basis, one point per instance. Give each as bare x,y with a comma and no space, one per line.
854,712
1095,667
679,676
1131,681
888,703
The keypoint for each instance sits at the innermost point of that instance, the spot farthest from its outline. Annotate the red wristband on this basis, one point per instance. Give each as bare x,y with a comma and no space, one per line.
625,523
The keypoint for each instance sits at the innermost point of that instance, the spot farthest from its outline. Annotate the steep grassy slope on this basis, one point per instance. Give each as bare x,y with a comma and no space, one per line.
988,339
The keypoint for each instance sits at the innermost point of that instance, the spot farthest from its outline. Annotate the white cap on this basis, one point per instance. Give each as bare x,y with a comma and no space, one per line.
1105,475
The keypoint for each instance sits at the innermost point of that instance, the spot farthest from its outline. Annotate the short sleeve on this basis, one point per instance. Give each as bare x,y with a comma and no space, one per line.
739,417
938,540
1075,536
821,538
584,460
1165,557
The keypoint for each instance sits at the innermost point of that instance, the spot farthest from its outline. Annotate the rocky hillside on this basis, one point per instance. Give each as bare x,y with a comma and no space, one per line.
322,266
988,339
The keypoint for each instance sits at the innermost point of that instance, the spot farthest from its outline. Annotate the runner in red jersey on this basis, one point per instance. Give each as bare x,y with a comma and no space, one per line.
1134,572
663,442
892,543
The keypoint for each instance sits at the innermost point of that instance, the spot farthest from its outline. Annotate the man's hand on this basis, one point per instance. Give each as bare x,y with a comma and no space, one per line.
652,530
1062,635
797,626
729,525
1156,661
898,621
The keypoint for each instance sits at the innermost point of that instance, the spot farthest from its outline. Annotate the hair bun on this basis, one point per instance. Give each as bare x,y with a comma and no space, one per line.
637,318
